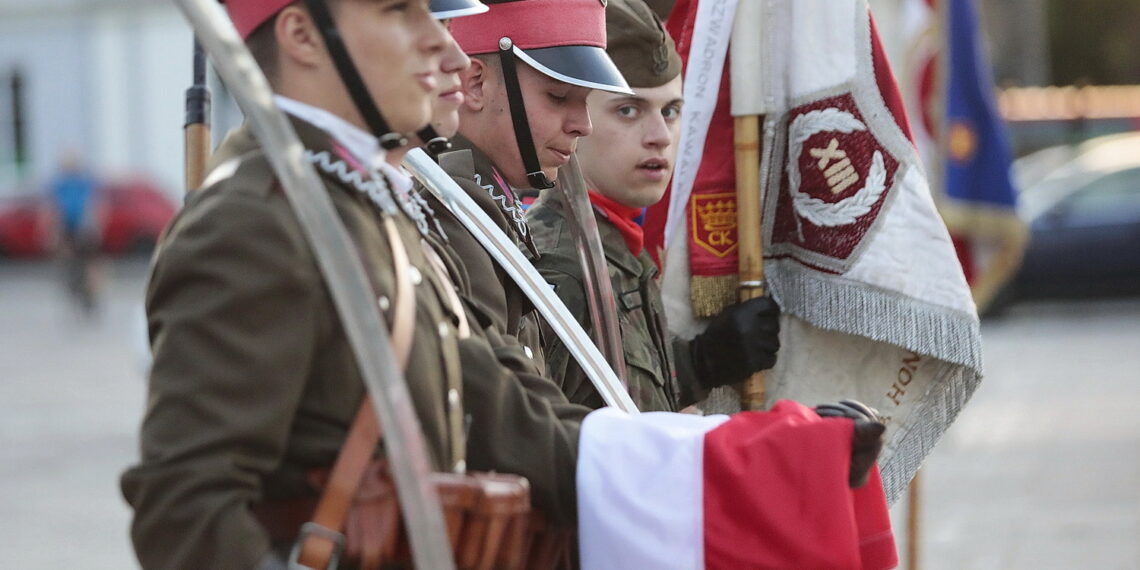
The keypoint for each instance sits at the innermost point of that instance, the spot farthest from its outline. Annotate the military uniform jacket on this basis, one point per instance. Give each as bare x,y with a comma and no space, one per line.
651,355
253,382
493,293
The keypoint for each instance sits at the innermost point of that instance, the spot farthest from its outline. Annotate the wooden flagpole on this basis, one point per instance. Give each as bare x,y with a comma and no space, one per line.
913,522
757,85
750,239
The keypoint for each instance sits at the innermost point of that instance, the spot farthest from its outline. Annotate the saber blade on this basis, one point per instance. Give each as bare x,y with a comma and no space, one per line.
504,251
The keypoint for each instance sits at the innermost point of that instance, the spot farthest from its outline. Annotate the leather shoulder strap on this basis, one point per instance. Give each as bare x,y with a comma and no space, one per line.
317,549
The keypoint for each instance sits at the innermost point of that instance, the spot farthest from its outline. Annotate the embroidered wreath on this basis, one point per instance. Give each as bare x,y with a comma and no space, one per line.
846,211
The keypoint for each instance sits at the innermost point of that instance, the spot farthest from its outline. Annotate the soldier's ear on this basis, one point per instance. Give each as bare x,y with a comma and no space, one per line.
474,82
298,39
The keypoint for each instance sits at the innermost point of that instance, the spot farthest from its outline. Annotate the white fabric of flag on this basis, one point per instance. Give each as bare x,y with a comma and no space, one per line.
876,305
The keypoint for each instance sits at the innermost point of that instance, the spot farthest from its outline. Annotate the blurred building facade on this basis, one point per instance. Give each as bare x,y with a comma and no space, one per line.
1017,32
103,77
1016,37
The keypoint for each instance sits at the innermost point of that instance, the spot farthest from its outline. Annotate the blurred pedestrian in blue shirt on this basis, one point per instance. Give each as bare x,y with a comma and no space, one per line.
73,194
73,190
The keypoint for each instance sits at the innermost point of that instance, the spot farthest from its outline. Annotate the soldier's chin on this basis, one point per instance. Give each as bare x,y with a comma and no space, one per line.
644,197
655,195
551,173
411,121
446,125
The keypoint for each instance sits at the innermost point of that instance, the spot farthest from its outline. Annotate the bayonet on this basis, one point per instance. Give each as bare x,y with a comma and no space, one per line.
600,298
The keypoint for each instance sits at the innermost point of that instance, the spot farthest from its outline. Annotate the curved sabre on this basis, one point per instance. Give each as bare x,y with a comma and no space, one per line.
503,249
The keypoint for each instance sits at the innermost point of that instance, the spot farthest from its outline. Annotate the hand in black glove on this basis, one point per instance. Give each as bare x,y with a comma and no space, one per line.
867,440
741,340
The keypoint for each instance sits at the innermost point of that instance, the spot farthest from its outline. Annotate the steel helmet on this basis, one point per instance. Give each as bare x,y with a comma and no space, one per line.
447,9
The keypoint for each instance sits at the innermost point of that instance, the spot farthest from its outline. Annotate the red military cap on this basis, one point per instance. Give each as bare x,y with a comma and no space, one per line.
247,15
563,39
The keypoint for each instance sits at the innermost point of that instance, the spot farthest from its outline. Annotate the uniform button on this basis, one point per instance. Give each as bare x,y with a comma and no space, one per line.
529,352
384,303
453,398
417,277
461,466
444,330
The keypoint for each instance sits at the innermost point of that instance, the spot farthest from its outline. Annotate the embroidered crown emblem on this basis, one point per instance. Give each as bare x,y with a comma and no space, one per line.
714,222
719,215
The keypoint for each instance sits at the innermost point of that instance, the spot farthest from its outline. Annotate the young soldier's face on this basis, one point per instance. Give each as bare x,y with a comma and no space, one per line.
445,108
558,118
397,45
630,156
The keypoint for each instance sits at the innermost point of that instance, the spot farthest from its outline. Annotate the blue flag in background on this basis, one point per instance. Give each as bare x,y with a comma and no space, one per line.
971,150
978,154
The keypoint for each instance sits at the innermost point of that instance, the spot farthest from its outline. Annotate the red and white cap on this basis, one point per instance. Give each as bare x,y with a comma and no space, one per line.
563,39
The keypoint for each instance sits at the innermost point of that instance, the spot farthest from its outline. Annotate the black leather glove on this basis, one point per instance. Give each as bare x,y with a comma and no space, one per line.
867,440
741,340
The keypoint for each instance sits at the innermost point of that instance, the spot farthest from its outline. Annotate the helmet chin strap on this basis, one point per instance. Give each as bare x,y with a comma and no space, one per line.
523,137
435,143
351,77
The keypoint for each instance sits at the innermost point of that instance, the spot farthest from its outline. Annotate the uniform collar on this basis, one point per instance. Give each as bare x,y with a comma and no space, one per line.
624,218
614,245
504,195
363,146
366,150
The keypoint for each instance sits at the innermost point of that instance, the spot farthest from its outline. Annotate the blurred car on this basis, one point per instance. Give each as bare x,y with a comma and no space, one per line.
25,226
1082,206
131,215
134,216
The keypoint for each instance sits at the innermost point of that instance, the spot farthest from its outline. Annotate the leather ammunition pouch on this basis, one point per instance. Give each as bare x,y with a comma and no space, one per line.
489,522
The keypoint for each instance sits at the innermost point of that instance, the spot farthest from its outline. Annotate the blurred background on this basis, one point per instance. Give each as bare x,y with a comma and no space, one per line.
1042,469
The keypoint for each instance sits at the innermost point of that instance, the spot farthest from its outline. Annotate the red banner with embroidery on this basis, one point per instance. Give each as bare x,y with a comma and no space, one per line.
710,211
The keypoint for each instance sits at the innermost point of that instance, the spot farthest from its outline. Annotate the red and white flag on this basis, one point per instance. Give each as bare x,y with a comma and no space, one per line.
876,306
757,490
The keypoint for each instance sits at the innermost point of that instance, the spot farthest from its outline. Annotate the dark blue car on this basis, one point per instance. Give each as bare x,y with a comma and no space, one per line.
1084,223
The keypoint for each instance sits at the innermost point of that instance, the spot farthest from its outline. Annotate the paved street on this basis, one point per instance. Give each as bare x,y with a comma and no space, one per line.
1042,470
71,392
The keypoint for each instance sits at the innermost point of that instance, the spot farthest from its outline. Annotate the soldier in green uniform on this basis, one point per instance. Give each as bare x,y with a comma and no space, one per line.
627,163
523,111
253,382
661,7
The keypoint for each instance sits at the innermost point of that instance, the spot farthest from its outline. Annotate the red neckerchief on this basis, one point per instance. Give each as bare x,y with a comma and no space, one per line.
622,217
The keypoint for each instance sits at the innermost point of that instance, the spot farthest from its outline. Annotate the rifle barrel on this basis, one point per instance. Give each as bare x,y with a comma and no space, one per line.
197,127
